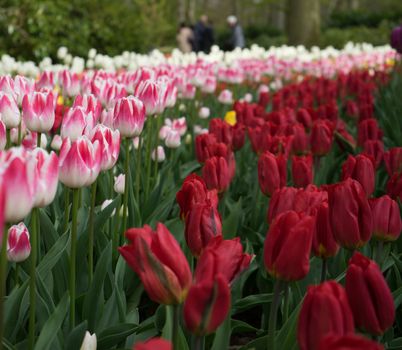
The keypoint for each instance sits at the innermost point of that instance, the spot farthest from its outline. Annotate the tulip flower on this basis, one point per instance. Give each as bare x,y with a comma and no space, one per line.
369,296
3,136
272,172
304,117
393,160
119,183
368,129
109,142
396,39
18,245
9,111
129,116
202,142
47,167
282,200
153,344
302,170
387,223
360,168
394,186
158,154
207,305
300,143
226,97
350,214
348,342
22,86
172,139
287,246
194,191
151,94
239,136
375,150
89,342
46,80
39,111
203,223
222,131
17,169
321,137
216,174
56,143
76,123
222,256
325,310
159,262
79,162
70,83
90,104
204,113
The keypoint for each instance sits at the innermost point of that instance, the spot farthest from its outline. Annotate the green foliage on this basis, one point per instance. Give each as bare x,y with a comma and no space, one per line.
346,19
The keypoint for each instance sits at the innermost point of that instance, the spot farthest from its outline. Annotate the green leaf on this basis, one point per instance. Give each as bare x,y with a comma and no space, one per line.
251,301
75,338
222,336
53,325
115,335
105,214
11,306
231,223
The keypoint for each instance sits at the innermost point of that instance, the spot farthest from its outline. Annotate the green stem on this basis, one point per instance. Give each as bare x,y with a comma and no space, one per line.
19,133
148,157
176,325
3,271
8,138
66,208
156,143
116,234
138,177
32,281
323,270
380,253
17,274
73,253
91,233
38,139
126,184
286,303
273,315
198,343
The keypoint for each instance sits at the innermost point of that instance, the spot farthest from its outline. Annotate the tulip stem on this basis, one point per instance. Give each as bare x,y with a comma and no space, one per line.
19,133
32,281
8,138
91,233
156,146
273,314
17,274
380,253
323,270
3,271
126,184
198,343
137,177
148,156
286,302
176,324
73,253
38,139
66,208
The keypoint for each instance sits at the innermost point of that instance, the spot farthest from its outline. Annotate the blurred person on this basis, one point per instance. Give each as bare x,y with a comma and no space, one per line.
203,35
237,38
185,38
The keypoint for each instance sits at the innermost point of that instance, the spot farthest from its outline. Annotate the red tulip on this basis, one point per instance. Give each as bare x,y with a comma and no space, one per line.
350,214
159,262
221,130
239,136
300,143
348,342
281,201
207,305
272,172
194,191
154,344
360,168
324,244
302,170
393,160
394,186
216,174
368,129
369,295
375,150
222,256
202,143
287,246
321,137
203,222
387,223
309,199
325,310
304,117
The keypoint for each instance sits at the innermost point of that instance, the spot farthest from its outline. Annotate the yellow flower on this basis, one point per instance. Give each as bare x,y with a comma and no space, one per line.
60,100
230,118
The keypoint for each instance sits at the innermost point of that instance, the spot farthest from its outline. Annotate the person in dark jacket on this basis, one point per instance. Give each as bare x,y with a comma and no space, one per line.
237,38
203,35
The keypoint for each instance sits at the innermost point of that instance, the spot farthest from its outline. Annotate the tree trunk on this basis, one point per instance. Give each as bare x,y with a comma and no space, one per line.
303,22
182,10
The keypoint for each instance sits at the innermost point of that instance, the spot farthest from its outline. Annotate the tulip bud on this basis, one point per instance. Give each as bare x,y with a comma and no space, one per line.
129,116
302,170
203,222
207,305
159,262
216,174
39,111
287,246
89,342
201,146
158,154
106,203
361,169
172,139
18,245
119,183
109,142
387,223
272,172
79,162
9,111
226,97
369,295
348,342
204,113
350,214
239,136
324,244
153,344
325,310
56,143
321,137
393,160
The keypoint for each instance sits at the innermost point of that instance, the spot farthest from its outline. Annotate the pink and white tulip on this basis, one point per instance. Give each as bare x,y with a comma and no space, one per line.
158,154
39,111
9,111
204,113
172,139
90,104
76,123
119,183
153,95
70,83
22,86
129,116
79,162
18,244
109,142
56,142
226,97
